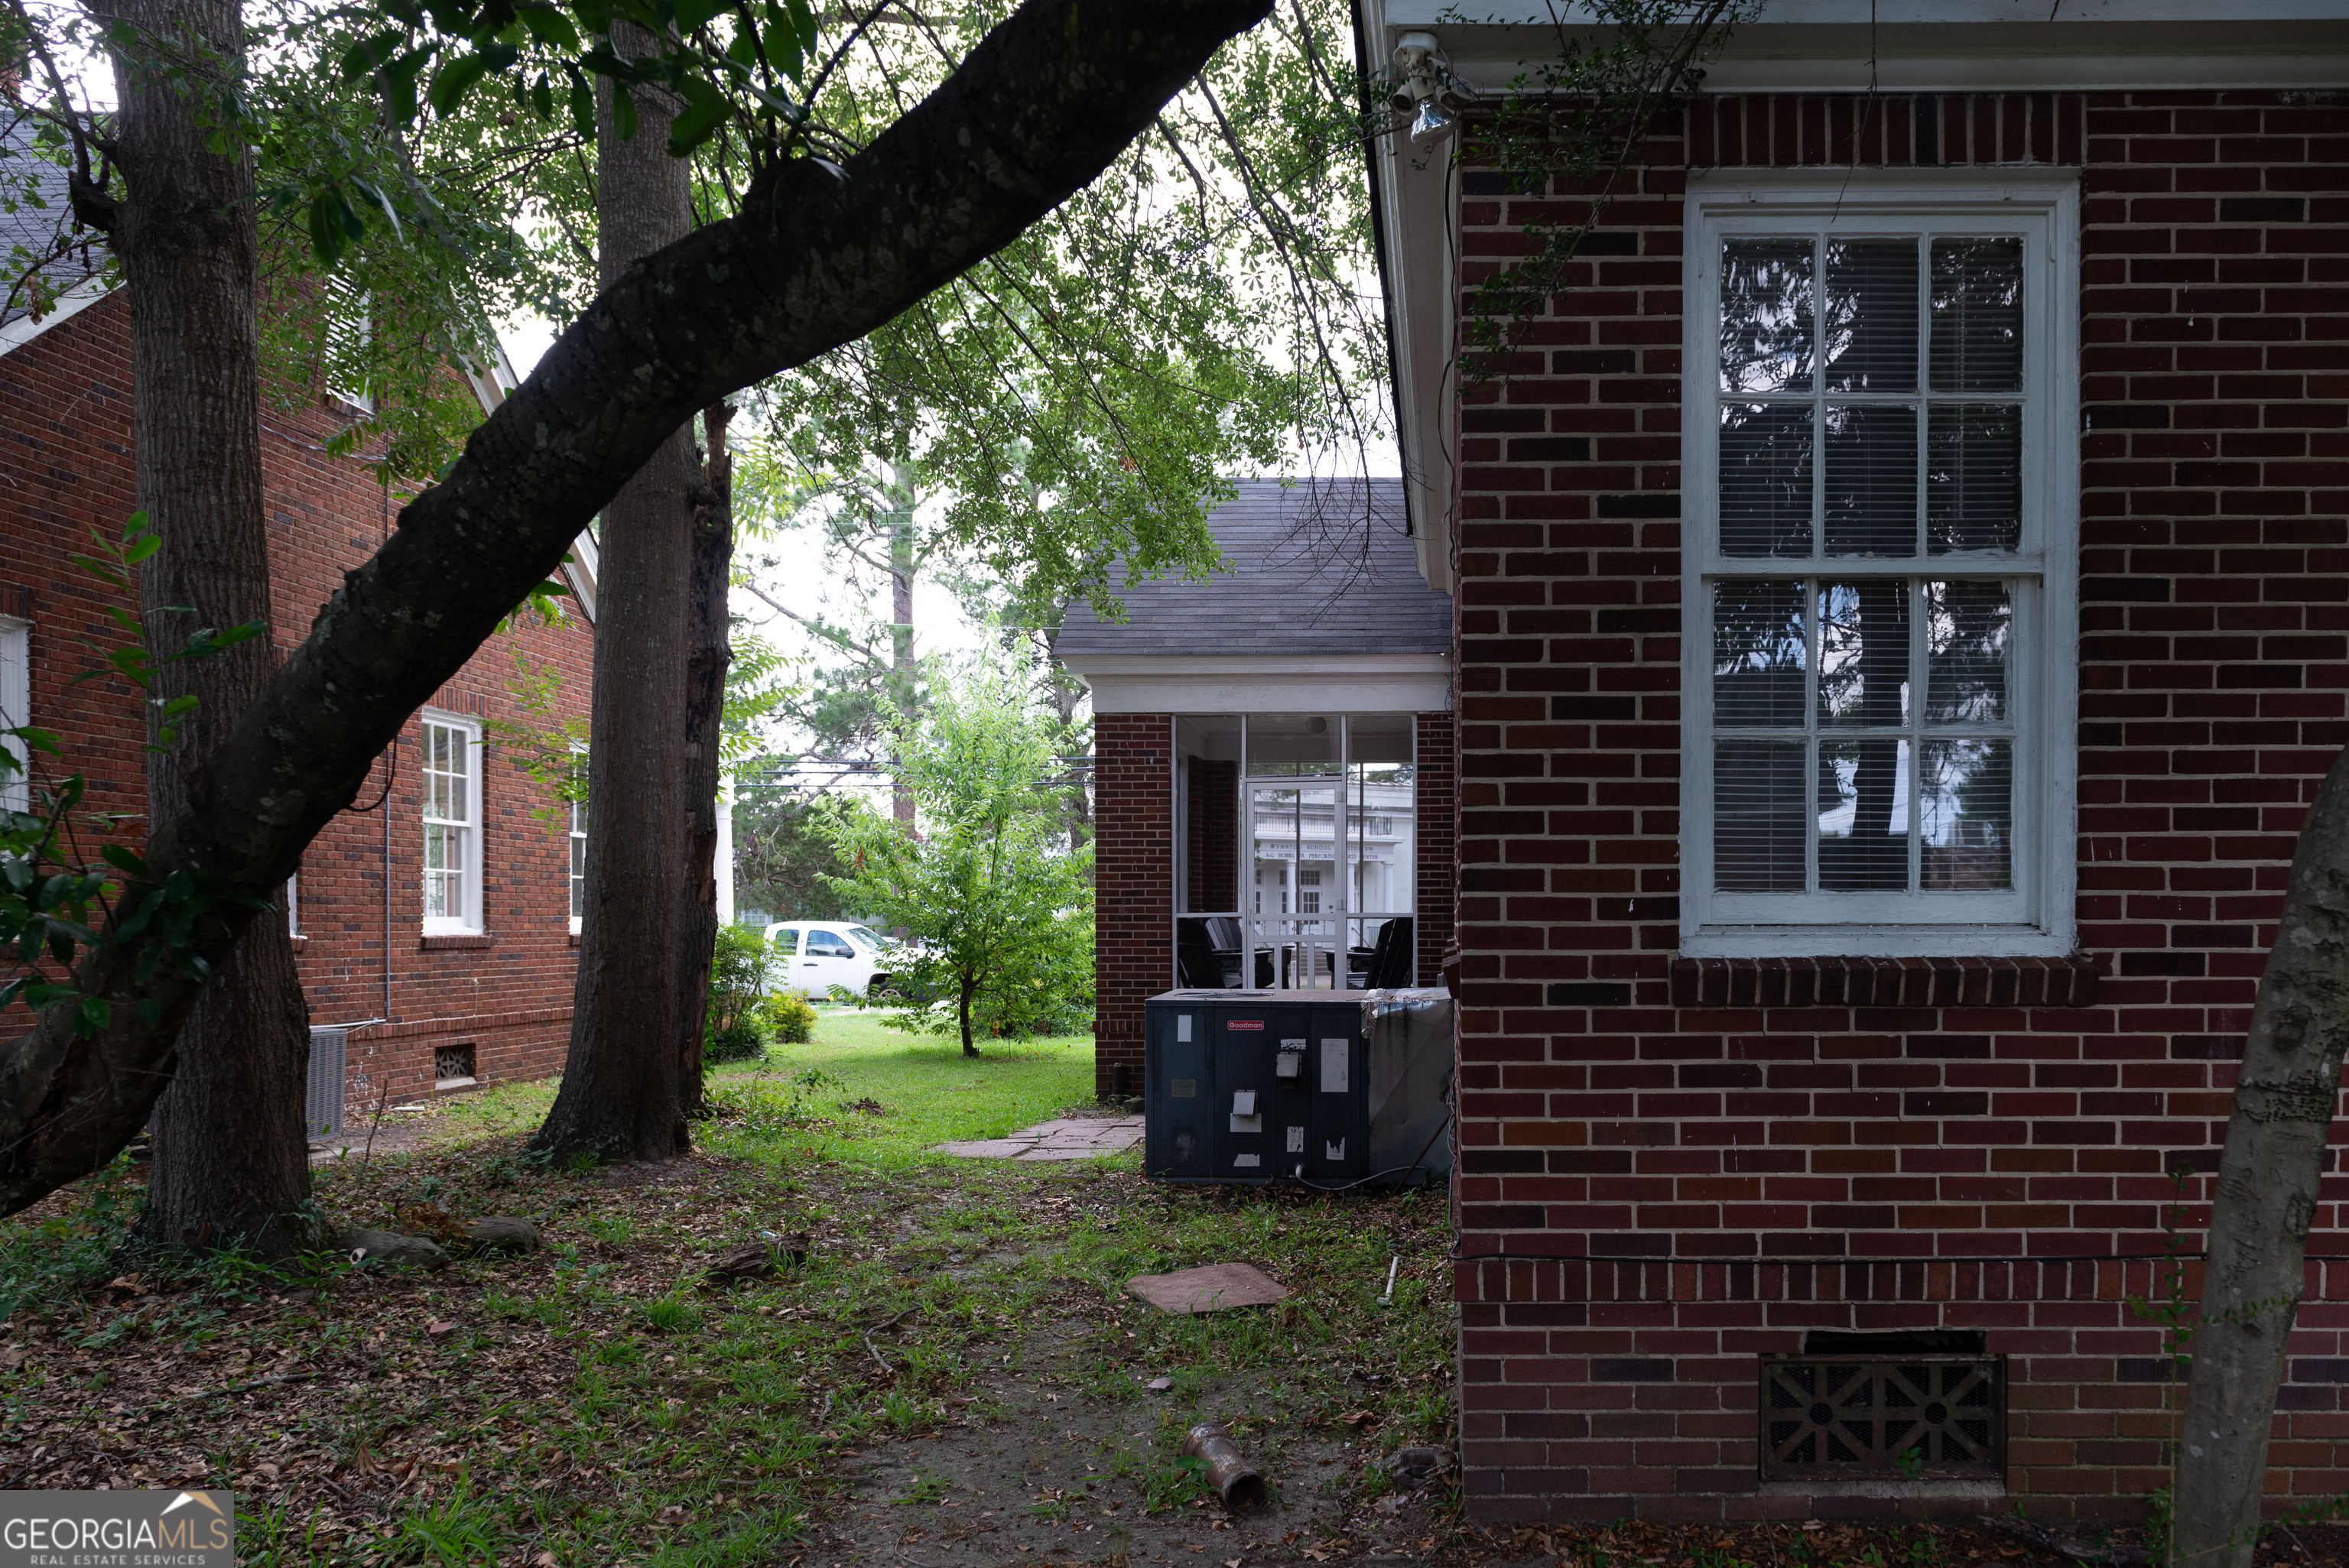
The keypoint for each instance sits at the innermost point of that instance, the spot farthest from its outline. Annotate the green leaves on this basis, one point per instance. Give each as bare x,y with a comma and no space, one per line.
790,36
705,107
450,82
334,224
998,901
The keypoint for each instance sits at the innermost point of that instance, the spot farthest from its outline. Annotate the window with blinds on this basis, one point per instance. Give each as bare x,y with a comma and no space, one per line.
1873,432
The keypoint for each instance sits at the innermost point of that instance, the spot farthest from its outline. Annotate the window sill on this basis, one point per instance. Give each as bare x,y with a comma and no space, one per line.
1842,981
442,942
299,941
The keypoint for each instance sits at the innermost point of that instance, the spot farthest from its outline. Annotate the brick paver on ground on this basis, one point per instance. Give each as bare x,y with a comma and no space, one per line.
1072,1138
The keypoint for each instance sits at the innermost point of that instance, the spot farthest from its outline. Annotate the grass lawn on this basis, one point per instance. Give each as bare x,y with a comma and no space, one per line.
926,1090
946,1370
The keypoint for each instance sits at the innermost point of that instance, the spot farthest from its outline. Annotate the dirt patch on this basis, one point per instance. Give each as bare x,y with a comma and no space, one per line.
1066,1460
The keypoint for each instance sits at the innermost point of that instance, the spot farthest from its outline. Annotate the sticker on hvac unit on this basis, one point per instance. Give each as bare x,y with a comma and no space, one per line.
1334,1056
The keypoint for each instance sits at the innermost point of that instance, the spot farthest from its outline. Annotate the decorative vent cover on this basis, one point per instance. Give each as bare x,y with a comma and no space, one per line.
452,1062
1918,1417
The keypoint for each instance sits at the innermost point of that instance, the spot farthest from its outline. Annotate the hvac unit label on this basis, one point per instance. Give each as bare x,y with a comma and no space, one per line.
1182,1026
1244,1024
1334,1056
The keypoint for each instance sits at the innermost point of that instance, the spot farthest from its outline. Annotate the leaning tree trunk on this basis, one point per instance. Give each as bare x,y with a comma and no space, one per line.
2285,1092
231,1164
621,1094
705,713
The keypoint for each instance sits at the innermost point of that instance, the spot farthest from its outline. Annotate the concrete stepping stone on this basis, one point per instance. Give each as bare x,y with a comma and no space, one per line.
1217,1287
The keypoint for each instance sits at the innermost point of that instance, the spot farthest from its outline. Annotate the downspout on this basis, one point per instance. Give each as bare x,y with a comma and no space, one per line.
387,784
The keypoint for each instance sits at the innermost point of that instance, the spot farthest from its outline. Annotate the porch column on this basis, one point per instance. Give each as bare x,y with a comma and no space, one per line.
1133,884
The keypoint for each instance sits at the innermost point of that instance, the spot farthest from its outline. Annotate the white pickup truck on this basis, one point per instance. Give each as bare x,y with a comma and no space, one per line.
817,957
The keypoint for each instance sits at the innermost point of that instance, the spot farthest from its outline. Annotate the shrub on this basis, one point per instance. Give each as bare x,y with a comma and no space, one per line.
789,1017
738,980
738,1042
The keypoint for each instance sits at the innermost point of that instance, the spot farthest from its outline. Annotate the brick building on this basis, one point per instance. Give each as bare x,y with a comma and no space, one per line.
451,976
1272,762
1902,596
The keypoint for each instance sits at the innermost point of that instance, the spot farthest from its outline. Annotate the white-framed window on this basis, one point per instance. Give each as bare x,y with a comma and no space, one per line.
578,841
16,708
453,824
1880,500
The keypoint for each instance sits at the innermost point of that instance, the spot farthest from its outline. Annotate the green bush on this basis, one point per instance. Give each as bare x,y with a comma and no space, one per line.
738,1042
731,1031
789,1017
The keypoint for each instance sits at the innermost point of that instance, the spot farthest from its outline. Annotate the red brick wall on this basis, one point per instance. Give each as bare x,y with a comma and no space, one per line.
1133,884
1212,836
1617,1113
1438,834
65,468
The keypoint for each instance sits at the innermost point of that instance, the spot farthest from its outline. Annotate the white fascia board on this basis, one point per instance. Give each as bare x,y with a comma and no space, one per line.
1933,46
492,384
1361,682
70,302
1416,194
580,570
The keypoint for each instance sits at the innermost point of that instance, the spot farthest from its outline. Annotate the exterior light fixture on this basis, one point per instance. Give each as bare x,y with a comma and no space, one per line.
1426,75
1431,124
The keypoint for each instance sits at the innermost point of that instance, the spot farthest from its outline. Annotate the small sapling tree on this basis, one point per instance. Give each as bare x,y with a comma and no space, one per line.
997,903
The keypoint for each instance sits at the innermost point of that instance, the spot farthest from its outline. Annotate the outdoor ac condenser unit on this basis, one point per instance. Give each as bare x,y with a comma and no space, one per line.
1317,1087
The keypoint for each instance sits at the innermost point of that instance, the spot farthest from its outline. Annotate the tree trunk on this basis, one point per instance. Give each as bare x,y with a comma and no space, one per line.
623,1095
705,713
901,632
2265,1195
812,261
963,1008
231,1163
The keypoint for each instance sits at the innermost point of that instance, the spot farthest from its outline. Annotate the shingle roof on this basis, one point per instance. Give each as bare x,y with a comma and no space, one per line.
1316,567
26,175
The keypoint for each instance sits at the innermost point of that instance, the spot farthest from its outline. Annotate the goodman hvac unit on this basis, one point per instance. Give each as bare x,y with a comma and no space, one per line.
1314,1087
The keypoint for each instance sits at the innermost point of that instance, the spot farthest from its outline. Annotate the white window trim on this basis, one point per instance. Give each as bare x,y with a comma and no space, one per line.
471,923
2042,206
16,707
579,921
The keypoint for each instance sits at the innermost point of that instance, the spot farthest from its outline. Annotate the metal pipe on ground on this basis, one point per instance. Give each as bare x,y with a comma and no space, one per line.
1234,1479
